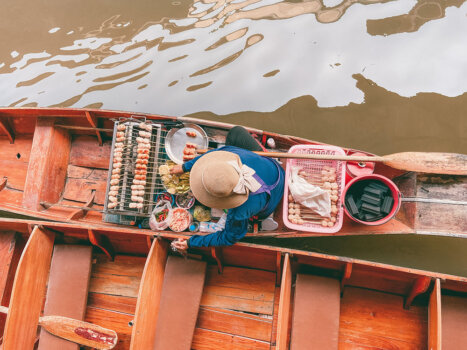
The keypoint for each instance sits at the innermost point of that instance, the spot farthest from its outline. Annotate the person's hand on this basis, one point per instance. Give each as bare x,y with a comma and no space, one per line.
176,169
180,244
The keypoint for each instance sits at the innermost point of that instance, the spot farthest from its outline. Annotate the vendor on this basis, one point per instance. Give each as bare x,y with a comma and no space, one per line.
233,177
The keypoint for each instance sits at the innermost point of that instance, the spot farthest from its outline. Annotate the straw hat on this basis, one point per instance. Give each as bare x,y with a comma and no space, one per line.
213,179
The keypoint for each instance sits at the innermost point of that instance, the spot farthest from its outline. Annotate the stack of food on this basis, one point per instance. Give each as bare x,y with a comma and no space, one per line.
116,167
326,180
139,180
174,184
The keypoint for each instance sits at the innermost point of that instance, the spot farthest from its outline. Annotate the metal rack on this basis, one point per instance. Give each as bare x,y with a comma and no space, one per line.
123,213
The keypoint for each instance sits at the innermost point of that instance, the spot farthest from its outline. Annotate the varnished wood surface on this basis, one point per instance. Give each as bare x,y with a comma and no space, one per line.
239,289
47,165
371,319
282,339
28,291
434,317
149,296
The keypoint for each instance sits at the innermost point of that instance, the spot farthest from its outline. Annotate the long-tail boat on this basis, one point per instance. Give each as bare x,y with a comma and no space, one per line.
54,165
245,296
58,258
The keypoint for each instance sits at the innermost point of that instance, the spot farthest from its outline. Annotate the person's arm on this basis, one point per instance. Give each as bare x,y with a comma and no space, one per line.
234,231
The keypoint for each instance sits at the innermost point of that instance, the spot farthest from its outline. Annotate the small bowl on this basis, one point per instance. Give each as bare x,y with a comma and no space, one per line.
185,200
180,215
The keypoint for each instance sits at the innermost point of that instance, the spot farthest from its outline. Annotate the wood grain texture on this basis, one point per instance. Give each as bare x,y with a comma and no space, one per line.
7,248
239,289
126,305
67,291
282,339
429,162
149,296
375,320
94,123
434,318
120,277
28,291
80,156
47,165
115,321
204,339
234,322
7,129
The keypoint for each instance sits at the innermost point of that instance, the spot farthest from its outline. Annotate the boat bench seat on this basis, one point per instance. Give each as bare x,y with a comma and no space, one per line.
179,305
453,322
315,322
67,290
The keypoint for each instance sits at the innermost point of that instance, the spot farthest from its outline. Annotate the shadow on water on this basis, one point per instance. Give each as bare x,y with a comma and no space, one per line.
431,253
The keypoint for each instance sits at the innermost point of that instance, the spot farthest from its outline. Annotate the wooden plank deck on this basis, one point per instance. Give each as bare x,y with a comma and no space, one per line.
236,309
113,293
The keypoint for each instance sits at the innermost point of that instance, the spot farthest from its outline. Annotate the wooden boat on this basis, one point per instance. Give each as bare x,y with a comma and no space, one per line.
240,297
54,166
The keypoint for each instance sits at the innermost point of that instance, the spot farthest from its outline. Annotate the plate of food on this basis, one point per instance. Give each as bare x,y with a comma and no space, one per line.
174,184
181,144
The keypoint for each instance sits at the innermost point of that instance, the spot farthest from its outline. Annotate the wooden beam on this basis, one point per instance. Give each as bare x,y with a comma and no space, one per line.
102,242
434,317
346,276
419,286
81,213
48,164
216,253
93,121
3,182
278,268
11,246
28,291
284,306
6,127
149,296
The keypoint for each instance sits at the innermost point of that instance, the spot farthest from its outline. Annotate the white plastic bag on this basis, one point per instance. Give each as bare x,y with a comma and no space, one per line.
311,196
158,209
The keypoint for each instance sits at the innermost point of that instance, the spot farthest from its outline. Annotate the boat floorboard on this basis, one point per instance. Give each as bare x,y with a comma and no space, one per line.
376,320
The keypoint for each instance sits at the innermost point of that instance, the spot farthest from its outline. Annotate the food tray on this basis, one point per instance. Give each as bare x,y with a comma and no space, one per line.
176,140
315,167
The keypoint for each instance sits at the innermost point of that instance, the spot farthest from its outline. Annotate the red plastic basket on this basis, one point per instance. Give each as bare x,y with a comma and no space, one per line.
315,167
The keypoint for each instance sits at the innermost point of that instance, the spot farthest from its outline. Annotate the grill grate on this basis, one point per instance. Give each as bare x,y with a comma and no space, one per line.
136,153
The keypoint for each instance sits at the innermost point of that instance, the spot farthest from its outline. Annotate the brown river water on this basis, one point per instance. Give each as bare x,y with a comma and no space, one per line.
377,75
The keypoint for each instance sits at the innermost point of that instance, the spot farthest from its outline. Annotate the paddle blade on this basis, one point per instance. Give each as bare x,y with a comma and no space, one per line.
426,162
80,332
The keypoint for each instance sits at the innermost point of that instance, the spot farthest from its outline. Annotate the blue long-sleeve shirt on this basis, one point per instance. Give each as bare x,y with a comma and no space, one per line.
237,218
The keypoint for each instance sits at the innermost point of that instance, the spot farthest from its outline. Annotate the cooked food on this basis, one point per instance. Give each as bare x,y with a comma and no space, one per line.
191,133
180,221
164,169
174,184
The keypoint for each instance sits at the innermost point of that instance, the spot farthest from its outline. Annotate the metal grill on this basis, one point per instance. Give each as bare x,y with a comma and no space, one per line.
132,181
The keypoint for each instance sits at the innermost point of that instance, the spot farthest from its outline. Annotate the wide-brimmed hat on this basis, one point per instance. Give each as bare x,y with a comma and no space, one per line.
215,176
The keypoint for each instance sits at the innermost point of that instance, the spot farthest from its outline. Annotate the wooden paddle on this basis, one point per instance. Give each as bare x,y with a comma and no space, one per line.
80,332
422,162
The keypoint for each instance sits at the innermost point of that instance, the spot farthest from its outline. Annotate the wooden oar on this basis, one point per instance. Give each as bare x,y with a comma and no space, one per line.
80,332
422,162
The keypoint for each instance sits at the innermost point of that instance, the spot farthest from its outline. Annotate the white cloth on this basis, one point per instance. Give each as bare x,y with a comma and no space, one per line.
246,181
311,196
